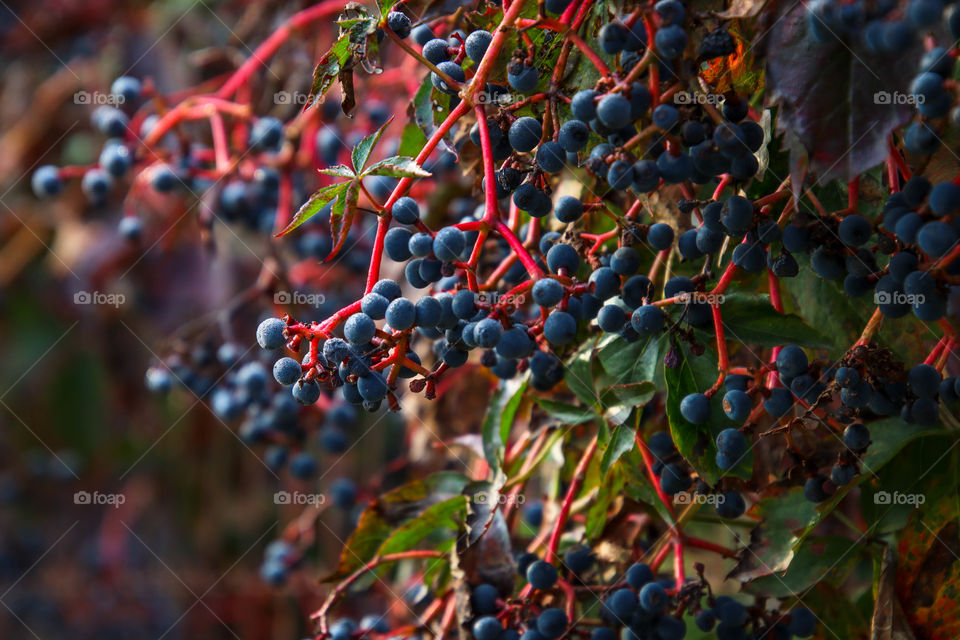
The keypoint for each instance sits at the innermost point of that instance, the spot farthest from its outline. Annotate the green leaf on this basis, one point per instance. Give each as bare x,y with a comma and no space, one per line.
923,467
329,67
821,559
628,361
424,111
749,318
597,519
442,517
888,437
398,167
620,400
341,216
384,7
782,512
423,107
339,171
412,140
621,441
361,152
825,305
566,413
362,30
314,204
579,374
498,420
697,443
381,518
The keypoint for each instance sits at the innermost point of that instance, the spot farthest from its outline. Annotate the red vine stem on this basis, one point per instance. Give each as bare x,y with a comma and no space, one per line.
270,46
532,268
578,475
340,589
710,546
648,463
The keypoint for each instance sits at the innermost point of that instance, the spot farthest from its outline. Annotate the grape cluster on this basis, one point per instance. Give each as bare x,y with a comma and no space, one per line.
175,175
505,262
241,391
866,381
639,604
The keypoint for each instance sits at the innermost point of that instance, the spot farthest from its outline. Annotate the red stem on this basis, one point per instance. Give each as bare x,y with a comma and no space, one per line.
648,463
518,248
270,46
775,300
578,475
710,546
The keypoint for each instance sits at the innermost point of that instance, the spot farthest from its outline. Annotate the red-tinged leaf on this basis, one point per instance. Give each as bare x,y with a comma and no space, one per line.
889,620
357,42
361,152
837,97
398,167
328,69
928,575
341,217
314,204
384,518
